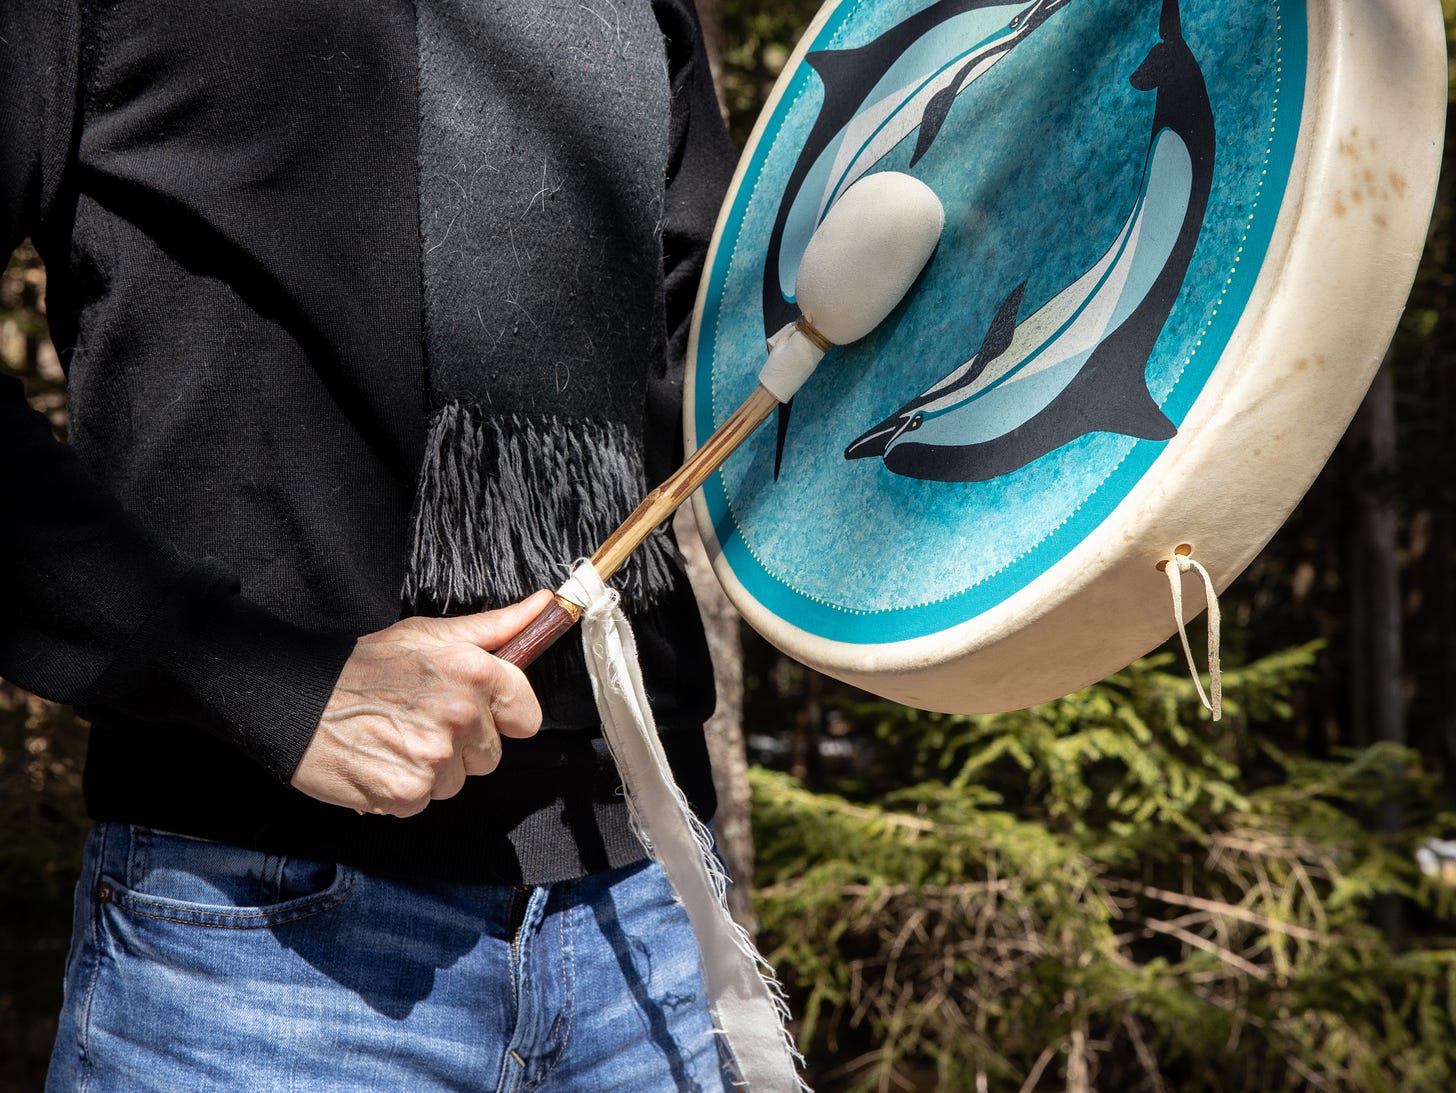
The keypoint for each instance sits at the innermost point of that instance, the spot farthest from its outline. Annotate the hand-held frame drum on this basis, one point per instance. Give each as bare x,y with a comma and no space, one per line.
1179,234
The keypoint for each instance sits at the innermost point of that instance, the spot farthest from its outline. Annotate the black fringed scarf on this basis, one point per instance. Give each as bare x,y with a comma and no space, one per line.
542,191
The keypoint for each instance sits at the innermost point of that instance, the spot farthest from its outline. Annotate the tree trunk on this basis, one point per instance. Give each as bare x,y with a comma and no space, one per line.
710,14
725,727
1357,731
807,766
1380,647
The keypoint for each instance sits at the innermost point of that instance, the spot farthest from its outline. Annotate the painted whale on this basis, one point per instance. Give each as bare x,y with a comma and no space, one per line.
876,96
1078,364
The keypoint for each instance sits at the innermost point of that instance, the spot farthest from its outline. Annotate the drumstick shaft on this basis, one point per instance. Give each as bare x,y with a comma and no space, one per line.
655,508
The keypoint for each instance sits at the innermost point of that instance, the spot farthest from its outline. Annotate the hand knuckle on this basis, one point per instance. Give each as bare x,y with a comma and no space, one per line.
406,789
468,664
454,710
434,750
487,765
484,756
449,784
514,708
520,723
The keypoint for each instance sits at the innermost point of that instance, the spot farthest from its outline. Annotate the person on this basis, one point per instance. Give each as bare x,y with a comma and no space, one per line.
373,319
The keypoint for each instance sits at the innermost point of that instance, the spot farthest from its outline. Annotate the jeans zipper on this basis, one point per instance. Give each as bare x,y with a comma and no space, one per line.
520,901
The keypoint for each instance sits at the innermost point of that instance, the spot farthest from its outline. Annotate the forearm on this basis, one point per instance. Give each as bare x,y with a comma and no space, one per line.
101,612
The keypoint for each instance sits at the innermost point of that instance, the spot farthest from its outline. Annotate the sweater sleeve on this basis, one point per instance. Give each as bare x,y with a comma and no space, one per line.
97,610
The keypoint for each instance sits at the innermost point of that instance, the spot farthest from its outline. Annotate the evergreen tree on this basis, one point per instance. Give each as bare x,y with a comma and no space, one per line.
1111,891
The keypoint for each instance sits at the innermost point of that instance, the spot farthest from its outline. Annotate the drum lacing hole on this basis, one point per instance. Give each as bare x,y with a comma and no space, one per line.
103,893
1185,549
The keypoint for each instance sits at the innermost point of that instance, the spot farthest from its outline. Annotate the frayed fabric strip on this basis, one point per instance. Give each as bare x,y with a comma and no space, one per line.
747,1003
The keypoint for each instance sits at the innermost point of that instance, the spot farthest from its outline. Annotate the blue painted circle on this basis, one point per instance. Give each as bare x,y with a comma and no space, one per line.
1053,175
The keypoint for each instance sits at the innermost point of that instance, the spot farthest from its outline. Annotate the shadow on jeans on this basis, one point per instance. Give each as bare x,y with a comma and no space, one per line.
629,951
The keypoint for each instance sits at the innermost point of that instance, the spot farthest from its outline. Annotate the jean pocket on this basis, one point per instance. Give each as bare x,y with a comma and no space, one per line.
194,881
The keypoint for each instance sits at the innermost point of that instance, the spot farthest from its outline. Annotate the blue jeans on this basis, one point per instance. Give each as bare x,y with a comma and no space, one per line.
197,966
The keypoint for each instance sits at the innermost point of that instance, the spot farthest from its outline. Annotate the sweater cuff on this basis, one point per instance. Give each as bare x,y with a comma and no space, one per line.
209,657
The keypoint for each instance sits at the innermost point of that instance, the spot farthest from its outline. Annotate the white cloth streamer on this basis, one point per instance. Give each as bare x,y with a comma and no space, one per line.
747,1003
1175,566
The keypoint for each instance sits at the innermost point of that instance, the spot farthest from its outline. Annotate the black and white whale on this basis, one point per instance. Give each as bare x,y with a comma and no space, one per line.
877,96
1078,364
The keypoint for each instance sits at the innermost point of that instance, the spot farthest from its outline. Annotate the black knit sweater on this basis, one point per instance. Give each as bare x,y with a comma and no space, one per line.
341,289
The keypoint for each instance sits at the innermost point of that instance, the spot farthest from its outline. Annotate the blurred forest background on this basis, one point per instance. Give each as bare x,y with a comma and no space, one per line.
1107,892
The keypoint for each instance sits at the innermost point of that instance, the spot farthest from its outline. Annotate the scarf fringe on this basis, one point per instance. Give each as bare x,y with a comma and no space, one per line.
506,502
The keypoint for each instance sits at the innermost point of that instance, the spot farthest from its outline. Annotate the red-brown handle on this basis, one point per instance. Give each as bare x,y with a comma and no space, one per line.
541,633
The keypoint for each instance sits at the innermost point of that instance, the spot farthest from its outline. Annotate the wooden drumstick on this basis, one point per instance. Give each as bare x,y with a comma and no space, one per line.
858,265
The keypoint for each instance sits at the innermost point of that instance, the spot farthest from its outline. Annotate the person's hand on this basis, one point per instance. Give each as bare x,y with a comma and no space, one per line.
418,707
